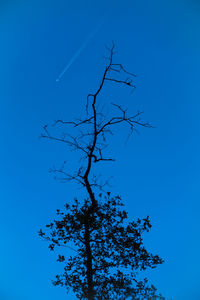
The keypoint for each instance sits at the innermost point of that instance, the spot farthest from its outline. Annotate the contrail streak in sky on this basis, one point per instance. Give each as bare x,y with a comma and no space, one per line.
78,52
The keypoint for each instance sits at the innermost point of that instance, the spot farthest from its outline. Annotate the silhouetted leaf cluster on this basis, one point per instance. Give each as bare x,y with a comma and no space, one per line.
116,245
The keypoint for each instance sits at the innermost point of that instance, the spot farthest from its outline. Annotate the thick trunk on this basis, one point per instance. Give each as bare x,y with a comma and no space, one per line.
88,261
90,192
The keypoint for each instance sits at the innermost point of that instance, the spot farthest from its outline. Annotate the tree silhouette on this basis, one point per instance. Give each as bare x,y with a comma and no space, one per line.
108,250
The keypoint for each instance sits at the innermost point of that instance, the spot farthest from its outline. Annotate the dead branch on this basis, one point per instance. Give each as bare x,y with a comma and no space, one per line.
92,142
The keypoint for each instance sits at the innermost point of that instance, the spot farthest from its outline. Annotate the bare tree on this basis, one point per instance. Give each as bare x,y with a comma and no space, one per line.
109,253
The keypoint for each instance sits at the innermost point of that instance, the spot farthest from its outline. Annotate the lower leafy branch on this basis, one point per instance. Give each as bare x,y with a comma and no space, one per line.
109,251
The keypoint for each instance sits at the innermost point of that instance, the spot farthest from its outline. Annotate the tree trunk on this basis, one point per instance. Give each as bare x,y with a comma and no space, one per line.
88,260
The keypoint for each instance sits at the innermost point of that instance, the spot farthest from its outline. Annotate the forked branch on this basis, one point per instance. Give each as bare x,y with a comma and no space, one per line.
91,139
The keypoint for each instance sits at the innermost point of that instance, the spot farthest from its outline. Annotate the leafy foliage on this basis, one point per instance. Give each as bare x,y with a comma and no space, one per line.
116,245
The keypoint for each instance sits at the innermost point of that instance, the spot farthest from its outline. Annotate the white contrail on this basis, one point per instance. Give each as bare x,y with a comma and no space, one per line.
82,47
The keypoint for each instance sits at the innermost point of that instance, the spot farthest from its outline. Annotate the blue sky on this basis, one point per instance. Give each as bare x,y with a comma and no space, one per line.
157,173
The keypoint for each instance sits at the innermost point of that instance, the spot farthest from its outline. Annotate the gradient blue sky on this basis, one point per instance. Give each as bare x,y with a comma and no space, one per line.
156,174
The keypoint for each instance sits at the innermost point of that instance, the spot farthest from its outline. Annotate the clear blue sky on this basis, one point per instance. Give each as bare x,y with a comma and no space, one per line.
156,174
